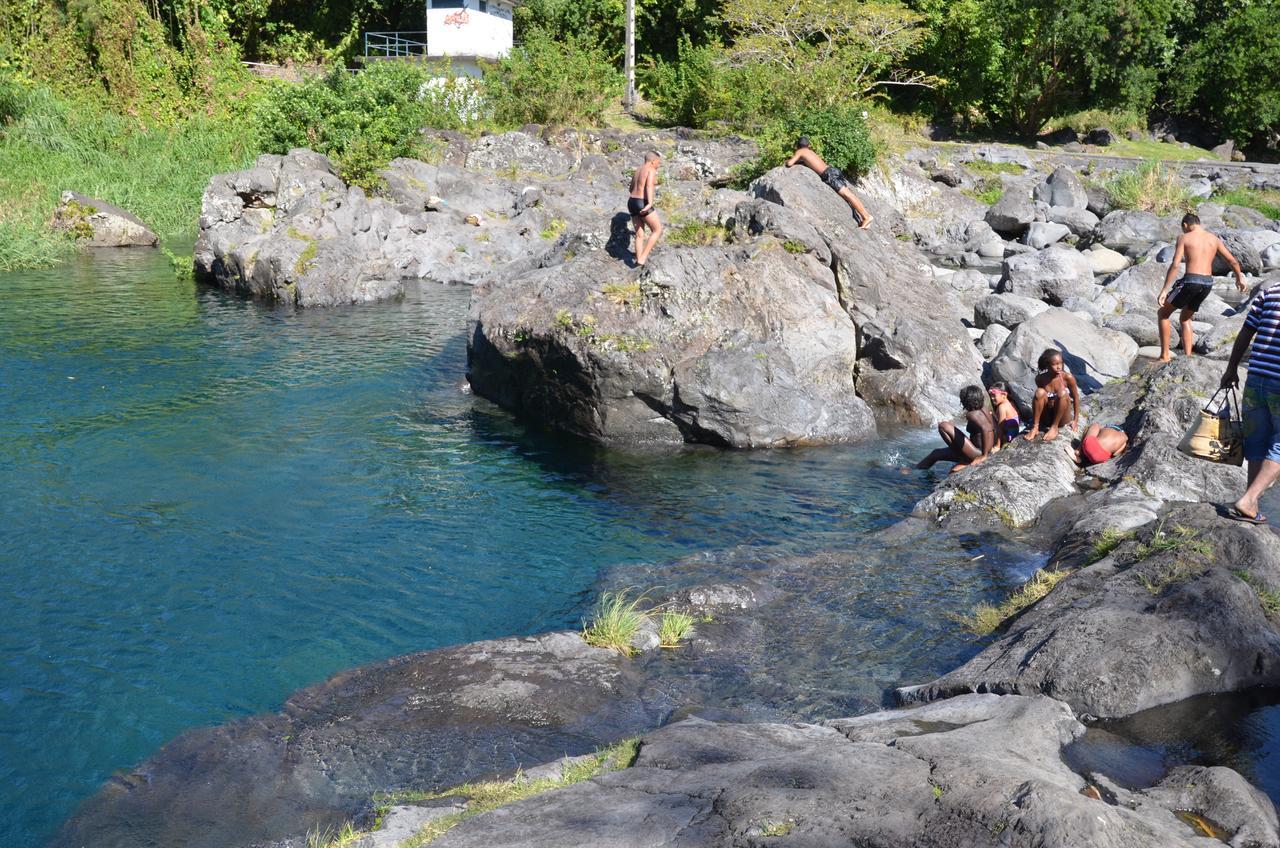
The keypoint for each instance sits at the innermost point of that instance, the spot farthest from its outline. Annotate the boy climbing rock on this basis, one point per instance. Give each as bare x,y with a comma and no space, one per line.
1199,247
833,177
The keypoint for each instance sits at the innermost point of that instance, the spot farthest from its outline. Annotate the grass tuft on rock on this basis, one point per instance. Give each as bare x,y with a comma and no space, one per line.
1266,202
1179,538
673,628
1150,188
989,192
616,618
696,234
986,619
1269,598
1107,541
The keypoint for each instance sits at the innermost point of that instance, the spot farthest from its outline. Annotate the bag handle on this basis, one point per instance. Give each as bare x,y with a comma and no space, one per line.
1231,402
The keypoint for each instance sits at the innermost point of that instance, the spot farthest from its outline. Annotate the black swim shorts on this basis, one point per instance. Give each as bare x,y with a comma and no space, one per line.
1190,291
834,178
635,205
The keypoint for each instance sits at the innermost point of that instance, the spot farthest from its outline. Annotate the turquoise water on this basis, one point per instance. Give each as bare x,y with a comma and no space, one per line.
207,503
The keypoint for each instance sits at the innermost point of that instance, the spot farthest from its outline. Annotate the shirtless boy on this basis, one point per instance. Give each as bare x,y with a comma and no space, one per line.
1101,444
1052,404
1199,247
640,206
832,177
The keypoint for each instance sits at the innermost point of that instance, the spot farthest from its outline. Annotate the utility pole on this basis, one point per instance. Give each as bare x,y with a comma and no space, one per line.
629,97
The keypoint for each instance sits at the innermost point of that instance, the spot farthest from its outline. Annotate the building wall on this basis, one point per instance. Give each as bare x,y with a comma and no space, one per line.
461,29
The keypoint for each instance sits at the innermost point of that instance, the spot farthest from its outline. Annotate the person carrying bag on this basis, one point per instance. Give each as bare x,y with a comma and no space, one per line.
1218,433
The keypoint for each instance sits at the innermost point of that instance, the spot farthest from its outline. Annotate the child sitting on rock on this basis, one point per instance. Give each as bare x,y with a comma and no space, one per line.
1101,443
1006,414
1053,383
965,450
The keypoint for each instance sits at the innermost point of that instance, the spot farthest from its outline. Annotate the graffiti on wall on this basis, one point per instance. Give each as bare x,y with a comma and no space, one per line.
459,19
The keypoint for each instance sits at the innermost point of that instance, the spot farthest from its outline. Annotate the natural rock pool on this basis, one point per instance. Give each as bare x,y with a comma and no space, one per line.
207,504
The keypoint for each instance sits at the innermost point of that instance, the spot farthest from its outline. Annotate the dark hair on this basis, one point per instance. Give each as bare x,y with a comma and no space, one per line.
802,141
1190,219
998,386
651,155
1046,358
973,398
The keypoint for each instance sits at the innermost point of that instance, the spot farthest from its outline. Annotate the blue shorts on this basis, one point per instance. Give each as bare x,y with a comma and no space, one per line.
1261,419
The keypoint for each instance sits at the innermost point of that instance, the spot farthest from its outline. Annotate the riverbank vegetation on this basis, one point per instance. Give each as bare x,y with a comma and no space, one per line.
140,102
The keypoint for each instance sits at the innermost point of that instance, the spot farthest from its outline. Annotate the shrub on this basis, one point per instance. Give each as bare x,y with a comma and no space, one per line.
545,81
690,91
362,121
1150,188
838,134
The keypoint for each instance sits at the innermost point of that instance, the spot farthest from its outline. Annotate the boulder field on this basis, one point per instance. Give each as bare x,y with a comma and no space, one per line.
771,321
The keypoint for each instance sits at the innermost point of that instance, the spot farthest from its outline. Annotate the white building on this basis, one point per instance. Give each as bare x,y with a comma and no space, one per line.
462,31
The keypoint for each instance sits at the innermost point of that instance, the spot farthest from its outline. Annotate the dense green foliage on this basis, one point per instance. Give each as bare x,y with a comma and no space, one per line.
50,145
547,81
837,133
362,121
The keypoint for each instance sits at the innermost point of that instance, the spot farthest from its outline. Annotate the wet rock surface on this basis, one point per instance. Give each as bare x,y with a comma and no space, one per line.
96,223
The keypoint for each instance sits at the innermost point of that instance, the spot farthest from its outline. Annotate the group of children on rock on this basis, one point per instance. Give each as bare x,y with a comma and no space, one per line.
1056,405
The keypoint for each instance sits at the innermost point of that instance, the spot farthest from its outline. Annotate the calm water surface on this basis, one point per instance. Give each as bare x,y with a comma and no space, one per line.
206,504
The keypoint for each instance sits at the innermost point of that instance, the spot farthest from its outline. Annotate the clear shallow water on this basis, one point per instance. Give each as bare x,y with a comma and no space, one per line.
205,504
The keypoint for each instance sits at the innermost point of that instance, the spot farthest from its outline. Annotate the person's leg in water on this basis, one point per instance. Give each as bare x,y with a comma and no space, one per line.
1188,334
654,223
864,217
1166,330
958,449
1038,405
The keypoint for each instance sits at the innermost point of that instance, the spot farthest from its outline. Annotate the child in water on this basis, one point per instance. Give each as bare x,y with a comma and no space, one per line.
1053,382
1006,414
965,450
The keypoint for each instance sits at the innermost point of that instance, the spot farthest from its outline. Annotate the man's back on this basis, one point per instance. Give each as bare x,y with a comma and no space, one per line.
1199,247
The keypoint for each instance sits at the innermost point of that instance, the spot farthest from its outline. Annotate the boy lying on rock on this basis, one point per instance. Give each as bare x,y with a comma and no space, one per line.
1101,443
965,450
833,177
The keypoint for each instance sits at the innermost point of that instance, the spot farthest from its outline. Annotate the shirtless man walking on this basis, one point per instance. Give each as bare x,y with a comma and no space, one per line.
832,177
1199,247
640,206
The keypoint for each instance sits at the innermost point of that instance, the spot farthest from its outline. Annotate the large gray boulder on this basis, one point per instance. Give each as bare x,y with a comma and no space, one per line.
1062,188
1009,310
1105,260
96,223
1053,275
914,352
938,775
1094,355
1012,213
743,347
1132,233
1164,616
1242,248
1010,488
1081,222
1041,234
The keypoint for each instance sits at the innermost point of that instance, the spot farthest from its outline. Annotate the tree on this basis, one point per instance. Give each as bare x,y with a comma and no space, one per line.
825,52
1230,69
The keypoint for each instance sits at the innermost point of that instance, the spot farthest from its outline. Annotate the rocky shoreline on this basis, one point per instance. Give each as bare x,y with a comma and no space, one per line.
776,323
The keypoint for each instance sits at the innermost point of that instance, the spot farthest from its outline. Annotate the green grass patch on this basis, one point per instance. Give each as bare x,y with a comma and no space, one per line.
484,796
1117,120
1269,598
623,294
985,618
1266,202
792,246
1151,187
1107,541
696,233
989,191
781,828
983,168
616,618
1179,538
552,231
1158,150
673,628
158,174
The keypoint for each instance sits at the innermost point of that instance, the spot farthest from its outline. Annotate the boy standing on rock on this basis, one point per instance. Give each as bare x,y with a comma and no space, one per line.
833,177
1199,247
640,206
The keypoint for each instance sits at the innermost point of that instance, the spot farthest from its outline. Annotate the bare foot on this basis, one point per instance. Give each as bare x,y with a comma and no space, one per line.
959,466
866,223
1051,434
1166,358
1031,437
